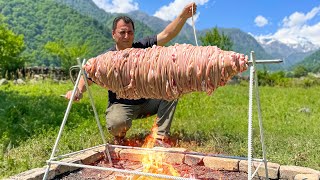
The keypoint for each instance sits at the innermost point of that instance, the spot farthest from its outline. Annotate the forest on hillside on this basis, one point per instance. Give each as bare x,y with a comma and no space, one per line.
48,21
312,62
78,28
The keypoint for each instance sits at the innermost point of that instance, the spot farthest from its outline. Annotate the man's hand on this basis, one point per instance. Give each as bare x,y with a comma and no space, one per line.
187,11
176,25
80,90
77,96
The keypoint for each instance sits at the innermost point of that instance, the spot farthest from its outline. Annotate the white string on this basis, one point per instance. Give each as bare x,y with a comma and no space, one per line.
194,28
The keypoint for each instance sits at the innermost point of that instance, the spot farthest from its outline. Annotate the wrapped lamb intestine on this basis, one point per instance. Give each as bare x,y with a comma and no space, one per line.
164,72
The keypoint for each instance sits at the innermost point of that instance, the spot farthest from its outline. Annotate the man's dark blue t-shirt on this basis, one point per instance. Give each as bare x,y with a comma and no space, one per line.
142,43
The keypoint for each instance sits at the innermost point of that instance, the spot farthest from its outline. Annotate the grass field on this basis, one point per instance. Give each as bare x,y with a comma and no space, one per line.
31,116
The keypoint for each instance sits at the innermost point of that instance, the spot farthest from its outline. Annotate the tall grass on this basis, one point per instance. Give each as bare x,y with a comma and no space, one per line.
31,116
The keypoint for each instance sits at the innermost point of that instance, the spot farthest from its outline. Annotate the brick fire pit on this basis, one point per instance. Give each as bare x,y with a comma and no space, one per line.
187,165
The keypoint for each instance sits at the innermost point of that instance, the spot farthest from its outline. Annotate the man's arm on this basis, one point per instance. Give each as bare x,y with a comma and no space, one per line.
176,25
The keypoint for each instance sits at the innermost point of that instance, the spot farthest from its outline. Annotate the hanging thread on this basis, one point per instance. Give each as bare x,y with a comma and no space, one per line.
194,28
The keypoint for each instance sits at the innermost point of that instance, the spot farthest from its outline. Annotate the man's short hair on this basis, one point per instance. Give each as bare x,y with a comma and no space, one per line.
126,19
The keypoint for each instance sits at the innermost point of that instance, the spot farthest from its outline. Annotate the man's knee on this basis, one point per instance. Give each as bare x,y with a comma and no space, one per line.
118,126
118,120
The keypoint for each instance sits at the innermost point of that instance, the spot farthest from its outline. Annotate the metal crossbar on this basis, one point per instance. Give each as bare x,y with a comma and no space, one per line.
253,85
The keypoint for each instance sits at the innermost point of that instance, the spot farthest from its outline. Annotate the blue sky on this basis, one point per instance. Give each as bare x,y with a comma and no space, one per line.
284,20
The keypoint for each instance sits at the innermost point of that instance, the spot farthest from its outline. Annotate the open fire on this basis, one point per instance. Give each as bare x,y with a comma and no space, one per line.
157,163
153,162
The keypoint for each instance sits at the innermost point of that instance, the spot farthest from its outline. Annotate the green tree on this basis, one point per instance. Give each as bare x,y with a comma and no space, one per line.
11,46
300,71
67,54
214,38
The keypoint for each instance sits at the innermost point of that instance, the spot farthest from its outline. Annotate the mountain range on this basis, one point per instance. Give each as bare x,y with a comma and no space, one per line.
243,42
291,53
41,16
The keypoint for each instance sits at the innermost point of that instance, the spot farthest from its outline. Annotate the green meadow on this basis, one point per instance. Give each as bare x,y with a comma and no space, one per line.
31,115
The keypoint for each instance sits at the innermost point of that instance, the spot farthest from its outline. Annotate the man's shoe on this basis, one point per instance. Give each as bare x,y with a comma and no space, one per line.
161,143
120,141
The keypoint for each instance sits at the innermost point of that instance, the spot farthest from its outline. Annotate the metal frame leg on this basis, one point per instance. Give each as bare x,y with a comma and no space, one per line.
254,81
106,152
66,115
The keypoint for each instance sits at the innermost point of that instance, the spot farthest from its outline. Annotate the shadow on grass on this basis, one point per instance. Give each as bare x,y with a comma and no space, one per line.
23,116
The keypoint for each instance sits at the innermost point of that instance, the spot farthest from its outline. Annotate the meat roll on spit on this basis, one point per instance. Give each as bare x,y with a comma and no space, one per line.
164,72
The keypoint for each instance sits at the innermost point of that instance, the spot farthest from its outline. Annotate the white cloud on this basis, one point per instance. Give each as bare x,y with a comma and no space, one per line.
172,10
296,27
299,19
117,6
261,21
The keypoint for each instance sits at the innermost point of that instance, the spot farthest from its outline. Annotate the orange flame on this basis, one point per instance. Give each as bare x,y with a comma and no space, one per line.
151,138
153,162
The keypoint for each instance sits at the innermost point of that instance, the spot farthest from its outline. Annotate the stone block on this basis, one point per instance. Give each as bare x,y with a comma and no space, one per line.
133,154
60,169
273,169
34,174
174,155
193,159
289,172
307,177
219,163
90,156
